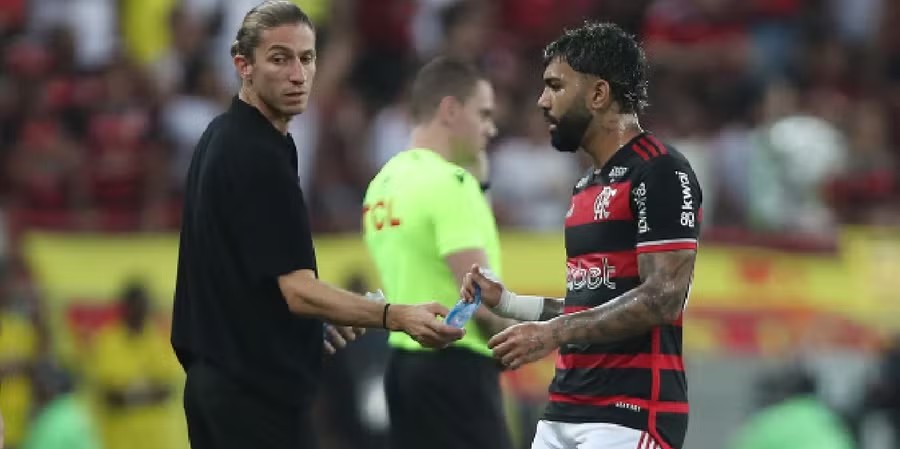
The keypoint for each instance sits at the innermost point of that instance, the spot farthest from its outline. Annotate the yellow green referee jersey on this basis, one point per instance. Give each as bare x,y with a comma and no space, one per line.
418,209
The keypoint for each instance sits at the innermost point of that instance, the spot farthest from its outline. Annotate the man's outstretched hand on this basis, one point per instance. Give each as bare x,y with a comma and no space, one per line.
420,322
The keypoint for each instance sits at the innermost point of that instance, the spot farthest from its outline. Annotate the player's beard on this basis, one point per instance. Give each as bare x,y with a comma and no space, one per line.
570,129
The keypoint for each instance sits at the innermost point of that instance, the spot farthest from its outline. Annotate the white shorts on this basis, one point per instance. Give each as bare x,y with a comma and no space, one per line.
560,435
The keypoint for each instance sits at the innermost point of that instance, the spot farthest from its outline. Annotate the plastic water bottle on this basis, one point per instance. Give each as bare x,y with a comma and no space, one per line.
378,296
462,312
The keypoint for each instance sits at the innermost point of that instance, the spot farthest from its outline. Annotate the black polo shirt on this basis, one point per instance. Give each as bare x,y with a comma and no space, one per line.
245,223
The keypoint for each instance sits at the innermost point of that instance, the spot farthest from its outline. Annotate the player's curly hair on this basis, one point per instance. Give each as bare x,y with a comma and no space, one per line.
605,50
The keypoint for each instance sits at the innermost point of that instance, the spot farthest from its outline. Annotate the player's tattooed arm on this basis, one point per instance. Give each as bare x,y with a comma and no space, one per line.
666,278
553,307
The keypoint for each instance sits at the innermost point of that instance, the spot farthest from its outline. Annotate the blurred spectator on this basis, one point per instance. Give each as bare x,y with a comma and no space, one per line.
128,174
144,27
389,134
133,379
305,129
732,151
701,48
12,16
386,53
856,21
426,27
884,393
775,27
534,23
775,175
698,37
865,188
792,161
467,27
22,344
794,419
62,420
171,71
44,172
186,115
531,183
341,178
92,23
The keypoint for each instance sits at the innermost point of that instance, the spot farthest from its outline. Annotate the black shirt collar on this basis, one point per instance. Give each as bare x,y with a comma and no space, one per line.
253,116
249,112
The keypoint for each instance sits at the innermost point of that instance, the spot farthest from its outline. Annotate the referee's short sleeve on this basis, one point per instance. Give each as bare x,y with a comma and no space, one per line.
265,205
452,206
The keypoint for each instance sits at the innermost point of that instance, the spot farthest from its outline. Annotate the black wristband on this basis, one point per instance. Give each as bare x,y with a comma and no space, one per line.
387,305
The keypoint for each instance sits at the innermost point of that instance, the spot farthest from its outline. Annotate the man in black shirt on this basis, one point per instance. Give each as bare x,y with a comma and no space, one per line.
248,305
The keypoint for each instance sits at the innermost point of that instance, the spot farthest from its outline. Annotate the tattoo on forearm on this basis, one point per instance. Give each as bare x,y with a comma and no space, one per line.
660,298
553,307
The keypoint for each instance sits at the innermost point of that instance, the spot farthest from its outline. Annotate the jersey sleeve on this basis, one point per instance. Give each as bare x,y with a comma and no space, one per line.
266,209
451,207
666,201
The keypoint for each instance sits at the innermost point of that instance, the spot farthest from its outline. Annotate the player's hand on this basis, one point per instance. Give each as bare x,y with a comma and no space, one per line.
523,343
337,337
420,323
491,289
2,431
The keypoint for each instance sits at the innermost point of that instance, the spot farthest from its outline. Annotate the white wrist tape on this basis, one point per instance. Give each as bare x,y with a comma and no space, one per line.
523,308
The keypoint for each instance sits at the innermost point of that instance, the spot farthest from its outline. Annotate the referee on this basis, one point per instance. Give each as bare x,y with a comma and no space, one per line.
247,324
426,222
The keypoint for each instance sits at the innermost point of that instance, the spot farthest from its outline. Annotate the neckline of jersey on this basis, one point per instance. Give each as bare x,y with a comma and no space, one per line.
622,150
428,152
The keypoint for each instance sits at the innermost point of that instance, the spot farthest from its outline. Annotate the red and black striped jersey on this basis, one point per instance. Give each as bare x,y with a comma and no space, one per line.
645,199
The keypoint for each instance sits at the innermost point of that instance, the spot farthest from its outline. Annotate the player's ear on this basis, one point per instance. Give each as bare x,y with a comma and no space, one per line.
599,94
448,109
243,66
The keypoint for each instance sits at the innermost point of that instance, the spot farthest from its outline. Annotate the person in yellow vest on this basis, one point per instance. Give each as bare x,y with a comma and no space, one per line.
133,377
426,221
20,345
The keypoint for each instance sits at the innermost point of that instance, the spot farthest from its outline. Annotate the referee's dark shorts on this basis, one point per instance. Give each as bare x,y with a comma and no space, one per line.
445,399
223,414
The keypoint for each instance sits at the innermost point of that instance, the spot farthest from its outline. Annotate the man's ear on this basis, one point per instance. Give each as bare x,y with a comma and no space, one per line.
243,66
448,109
600,95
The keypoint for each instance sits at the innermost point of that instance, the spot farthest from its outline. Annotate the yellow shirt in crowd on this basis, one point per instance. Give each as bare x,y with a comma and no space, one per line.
120,359
18,341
